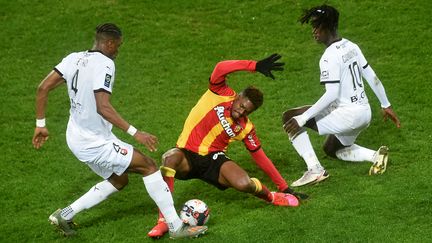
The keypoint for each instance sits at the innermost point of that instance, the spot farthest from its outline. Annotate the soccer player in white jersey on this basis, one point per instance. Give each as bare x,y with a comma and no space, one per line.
89,77
343,111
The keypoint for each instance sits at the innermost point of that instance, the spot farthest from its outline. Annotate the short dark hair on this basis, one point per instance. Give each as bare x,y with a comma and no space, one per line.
323,16
254,95
108,31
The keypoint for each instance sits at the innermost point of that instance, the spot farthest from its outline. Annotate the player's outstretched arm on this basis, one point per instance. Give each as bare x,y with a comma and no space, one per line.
269,168
389,113
378,88
107,111
268,64
50,82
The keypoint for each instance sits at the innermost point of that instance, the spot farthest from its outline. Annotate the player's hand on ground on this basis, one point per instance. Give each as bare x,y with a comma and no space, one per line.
40,136
149,140
266,65
389,113
291,127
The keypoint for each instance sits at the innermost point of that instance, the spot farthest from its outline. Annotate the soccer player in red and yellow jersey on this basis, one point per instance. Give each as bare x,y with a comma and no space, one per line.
219,118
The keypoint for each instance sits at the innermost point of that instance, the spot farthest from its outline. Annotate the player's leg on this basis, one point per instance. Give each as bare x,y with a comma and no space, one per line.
103,159
301,143
344,125
356,153
98,193
290,113
173,162
232,175
161,195
332,145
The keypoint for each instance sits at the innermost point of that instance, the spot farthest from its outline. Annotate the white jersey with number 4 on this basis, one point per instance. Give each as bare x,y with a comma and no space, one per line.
342,63
85,73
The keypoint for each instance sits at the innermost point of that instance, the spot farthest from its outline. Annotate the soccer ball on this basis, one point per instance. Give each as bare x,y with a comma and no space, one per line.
195,212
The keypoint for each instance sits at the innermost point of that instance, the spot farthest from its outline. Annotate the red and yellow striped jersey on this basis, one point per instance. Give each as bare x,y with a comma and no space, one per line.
209,126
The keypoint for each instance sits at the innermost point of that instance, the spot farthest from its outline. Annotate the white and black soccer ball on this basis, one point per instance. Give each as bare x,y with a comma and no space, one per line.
195,212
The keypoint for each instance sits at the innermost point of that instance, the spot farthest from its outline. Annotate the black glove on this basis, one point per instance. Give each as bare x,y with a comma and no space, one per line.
266,65
298,195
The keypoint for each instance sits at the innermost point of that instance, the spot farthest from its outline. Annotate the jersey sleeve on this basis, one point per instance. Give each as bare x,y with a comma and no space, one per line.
218,78
62,67
329,68
374,82
251,141
361,58
104,77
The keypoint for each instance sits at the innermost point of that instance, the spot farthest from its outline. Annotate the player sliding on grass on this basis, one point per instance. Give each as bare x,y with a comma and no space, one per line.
89,76
343,111
219,118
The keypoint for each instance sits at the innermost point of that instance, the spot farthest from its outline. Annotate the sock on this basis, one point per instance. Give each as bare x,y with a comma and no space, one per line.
262,191
356,153
303,146
161,195
168,176
94,196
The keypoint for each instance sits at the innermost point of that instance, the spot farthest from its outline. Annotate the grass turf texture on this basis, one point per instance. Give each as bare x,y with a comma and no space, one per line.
169,51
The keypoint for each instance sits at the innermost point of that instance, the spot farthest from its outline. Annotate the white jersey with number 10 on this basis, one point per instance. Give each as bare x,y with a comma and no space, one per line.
342,63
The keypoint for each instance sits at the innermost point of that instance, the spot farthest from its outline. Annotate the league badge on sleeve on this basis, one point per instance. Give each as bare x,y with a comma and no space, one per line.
324,74
107,80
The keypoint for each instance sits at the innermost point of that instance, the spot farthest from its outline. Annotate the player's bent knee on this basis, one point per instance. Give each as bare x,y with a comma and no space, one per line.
332,145
119,182
245,185
288,114
329,151
142,164
172,158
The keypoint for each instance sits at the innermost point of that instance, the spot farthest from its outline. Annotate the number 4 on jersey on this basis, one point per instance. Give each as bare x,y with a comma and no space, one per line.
75,81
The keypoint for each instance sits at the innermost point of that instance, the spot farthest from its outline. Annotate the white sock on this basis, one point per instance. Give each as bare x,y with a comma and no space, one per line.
95,195
356,153
304,148
161,195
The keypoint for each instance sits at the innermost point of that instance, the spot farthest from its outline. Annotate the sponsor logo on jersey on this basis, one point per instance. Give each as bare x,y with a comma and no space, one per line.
107,80
355,98
223,121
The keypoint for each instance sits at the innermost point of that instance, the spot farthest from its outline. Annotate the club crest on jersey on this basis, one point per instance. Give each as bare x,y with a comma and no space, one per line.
118,149
107,80
223,121
237,128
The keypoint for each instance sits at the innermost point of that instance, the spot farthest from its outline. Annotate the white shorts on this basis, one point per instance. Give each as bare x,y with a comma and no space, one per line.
345,122
103,156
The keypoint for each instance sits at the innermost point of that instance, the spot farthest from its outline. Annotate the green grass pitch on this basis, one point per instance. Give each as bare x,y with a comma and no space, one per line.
169,51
